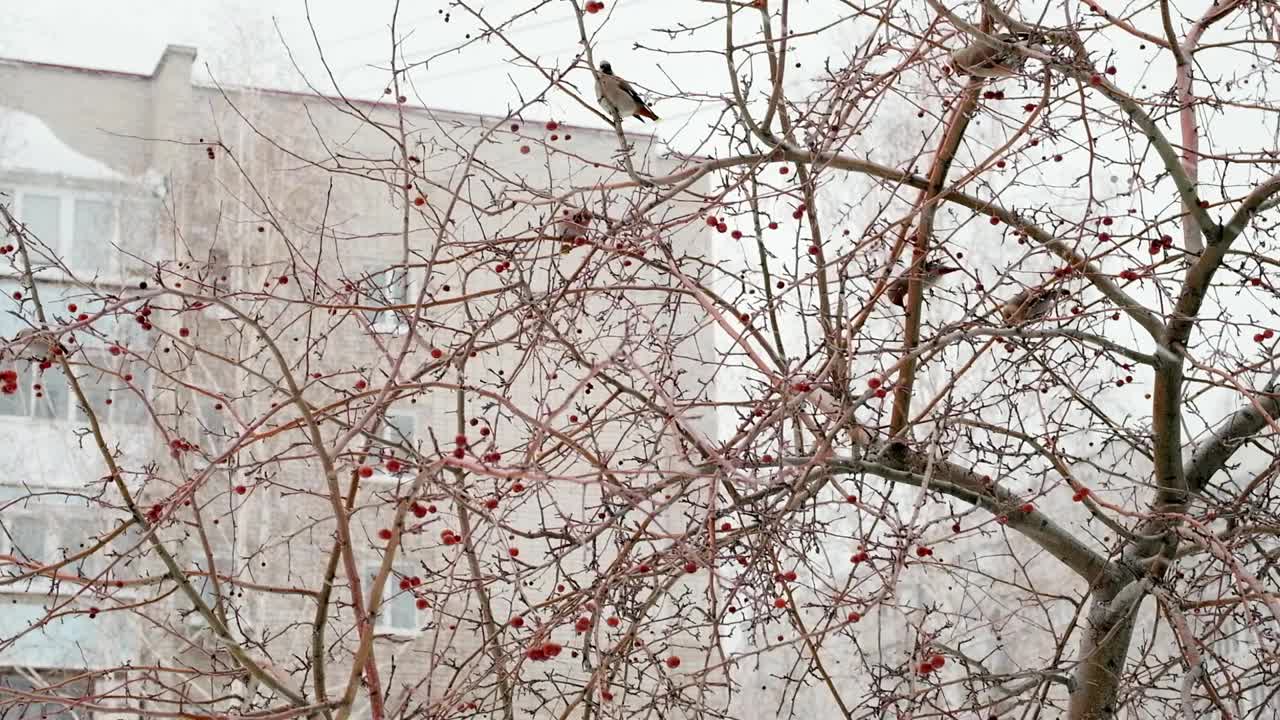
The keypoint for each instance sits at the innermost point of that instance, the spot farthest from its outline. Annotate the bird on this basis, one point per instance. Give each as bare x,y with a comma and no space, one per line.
981,58
933,271
1031,304
573,228
618,97
35,344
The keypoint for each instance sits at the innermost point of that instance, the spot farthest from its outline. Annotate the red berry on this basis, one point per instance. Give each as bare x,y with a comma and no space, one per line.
937,661
422,604
517,621
437,353
525,149
779,603
855,616
613,622
582,625
673,662
365,471
1027,507
726,527
393,466
790,576
552,649
784,170
712,221
874,383
384,533
766,458
419,201
240,489
691,567
418,510
361,384
491,503
552,124
773,226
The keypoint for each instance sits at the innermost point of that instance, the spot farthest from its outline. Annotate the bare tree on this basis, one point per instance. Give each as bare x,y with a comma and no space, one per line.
898,391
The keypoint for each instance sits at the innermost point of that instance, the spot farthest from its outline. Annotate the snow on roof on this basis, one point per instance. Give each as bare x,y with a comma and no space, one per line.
27,143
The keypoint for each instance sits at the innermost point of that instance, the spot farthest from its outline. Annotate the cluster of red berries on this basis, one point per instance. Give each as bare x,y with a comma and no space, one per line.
177,446
209,152
719,225
924,551
1264,335
1080,494
594,6
545,651
449,537
8,381
931,664
502,267
6,249
420,511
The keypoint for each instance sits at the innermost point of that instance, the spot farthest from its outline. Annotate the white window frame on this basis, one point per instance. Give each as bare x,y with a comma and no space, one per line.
58,523
64,245
48,710
386,432
386,322
391,592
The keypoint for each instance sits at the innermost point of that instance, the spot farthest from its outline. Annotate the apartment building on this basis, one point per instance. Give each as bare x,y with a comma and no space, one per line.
214,258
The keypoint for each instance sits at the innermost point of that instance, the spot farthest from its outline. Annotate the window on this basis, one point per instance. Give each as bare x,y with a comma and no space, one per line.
45,533
398,614
223,565
83,229
46,395
397,433
386,286
46,684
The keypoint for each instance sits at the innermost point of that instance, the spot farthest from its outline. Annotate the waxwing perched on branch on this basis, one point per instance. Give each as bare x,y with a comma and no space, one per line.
34,344
617,96
573,225
981,58
1032,304
933,271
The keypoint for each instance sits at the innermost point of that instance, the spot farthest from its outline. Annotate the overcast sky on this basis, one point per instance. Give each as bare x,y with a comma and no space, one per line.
238,41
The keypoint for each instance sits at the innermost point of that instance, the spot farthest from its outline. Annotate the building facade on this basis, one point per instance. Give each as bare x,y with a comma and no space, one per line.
281,317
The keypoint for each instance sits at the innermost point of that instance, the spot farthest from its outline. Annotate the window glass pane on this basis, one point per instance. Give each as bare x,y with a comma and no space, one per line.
399,428
402,613
27,536
11,311
50,401
127,408
138,231
385,285
77,689
399,612
97,389
92,237
40,213
17,403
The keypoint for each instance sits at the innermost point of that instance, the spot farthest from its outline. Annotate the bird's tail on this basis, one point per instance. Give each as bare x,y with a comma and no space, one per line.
645,112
